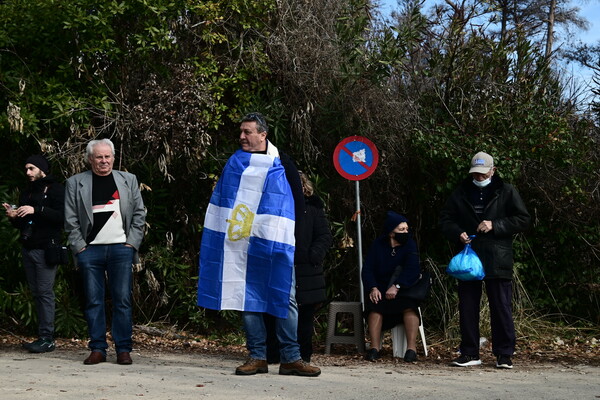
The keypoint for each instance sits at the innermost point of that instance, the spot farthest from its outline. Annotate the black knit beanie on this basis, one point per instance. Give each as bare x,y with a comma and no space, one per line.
392,220
40,162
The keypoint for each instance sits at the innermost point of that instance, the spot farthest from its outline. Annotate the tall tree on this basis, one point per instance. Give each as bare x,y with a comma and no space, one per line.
550,33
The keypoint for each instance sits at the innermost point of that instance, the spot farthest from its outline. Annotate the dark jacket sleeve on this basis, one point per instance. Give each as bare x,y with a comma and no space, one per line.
449,217
368,273
322,239
517,217
293,178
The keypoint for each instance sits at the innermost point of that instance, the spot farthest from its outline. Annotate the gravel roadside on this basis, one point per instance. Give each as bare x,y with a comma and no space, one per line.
192,375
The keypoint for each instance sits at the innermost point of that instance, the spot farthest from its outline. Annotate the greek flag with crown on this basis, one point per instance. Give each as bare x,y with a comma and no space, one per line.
247,248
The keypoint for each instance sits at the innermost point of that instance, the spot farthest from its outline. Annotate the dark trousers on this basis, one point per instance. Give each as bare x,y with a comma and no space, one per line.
306,313
306,318
40,278
499,293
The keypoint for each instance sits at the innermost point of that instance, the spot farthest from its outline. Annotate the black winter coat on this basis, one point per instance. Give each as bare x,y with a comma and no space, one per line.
508,214
47,197
313,240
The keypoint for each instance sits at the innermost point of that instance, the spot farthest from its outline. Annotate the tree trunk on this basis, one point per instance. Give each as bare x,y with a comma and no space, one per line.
504,21
550,35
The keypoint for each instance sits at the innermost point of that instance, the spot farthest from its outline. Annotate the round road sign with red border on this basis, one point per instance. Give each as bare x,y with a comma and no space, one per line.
355,158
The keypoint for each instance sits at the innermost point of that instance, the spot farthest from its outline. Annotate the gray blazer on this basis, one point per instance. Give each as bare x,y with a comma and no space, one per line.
78,209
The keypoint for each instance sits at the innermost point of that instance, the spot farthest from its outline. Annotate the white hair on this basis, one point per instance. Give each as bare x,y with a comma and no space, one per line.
89,150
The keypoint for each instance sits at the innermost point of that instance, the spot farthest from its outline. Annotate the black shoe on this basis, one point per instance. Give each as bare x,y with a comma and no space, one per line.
41,346
27,345
466,361
372,355
503,361
410,356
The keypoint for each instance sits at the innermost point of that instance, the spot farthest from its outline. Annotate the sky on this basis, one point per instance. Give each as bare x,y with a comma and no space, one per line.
589,9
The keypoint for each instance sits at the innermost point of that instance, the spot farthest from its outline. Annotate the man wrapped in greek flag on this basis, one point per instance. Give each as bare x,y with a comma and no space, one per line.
247,250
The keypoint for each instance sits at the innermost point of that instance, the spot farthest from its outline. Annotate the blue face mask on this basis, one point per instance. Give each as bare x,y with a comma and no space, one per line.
483,183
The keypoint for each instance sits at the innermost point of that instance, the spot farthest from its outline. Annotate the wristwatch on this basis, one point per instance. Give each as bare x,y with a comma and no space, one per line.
397,286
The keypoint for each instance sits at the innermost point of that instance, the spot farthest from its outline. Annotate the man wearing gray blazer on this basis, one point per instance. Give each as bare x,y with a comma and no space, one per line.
105,218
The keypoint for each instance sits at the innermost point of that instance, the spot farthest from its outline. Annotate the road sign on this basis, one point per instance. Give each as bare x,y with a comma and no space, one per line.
355,158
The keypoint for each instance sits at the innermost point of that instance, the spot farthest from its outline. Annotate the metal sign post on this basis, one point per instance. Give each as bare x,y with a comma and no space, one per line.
355,158
359,240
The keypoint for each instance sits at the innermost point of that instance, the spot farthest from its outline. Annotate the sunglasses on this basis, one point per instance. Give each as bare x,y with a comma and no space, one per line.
255,117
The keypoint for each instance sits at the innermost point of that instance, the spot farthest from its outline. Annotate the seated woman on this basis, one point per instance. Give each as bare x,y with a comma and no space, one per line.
392,262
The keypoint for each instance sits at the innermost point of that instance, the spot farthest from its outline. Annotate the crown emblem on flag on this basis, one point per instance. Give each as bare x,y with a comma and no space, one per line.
240,223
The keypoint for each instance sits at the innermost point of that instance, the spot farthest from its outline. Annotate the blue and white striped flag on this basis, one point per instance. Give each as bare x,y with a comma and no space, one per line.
247,249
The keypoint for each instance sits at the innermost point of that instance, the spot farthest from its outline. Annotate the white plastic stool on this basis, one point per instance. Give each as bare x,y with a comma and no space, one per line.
399,337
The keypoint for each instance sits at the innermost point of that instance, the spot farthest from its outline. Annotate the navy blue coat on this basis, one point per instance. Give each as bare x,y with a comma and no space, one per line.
381,262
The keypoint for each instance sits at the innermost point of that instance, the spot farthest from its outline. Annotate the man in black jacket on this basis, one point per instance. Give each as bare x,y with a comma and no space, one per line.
39,217
485,206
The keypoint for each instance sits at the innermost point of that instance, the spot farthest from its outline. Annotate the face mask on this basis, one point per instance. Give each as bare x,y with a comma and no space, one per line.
482,184
402,238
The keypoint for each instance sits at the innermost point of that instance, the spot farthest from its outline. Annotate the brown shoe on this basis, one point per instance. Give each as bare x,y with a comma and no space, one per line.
300,368
124,358
95,358
252,367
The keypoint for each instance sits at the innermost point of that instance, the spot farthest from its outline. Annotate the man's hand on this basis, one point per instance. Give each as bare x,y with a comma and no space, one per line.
391,293
10,212
375,295
24,210
464,238
485,226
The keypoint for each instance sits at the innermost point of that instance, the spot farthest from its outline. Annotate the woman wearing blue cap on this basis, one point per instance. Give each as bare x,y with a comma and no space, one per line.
383,309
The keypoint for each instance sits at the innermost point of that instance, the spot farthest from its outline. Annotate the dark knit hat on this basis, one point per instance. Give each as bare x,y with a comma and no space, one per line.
392,220
40,162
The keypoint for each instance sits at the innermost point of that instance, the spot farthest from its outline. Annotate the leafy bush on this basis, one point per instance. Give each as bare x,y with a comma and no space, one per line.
168,82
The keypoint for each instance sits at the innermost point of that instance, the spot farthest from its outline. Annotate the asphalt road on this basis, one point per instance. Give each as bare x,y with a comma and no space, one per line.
62,375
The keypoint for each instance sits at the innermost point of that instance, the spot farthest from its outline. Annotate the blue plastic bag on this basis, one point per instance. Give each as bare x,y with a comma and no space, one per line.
466,265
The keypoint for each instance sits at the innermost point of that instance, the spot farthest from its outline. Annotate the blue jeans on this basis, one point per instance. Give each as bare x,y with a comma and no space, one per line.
286,329
115,261
40,278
